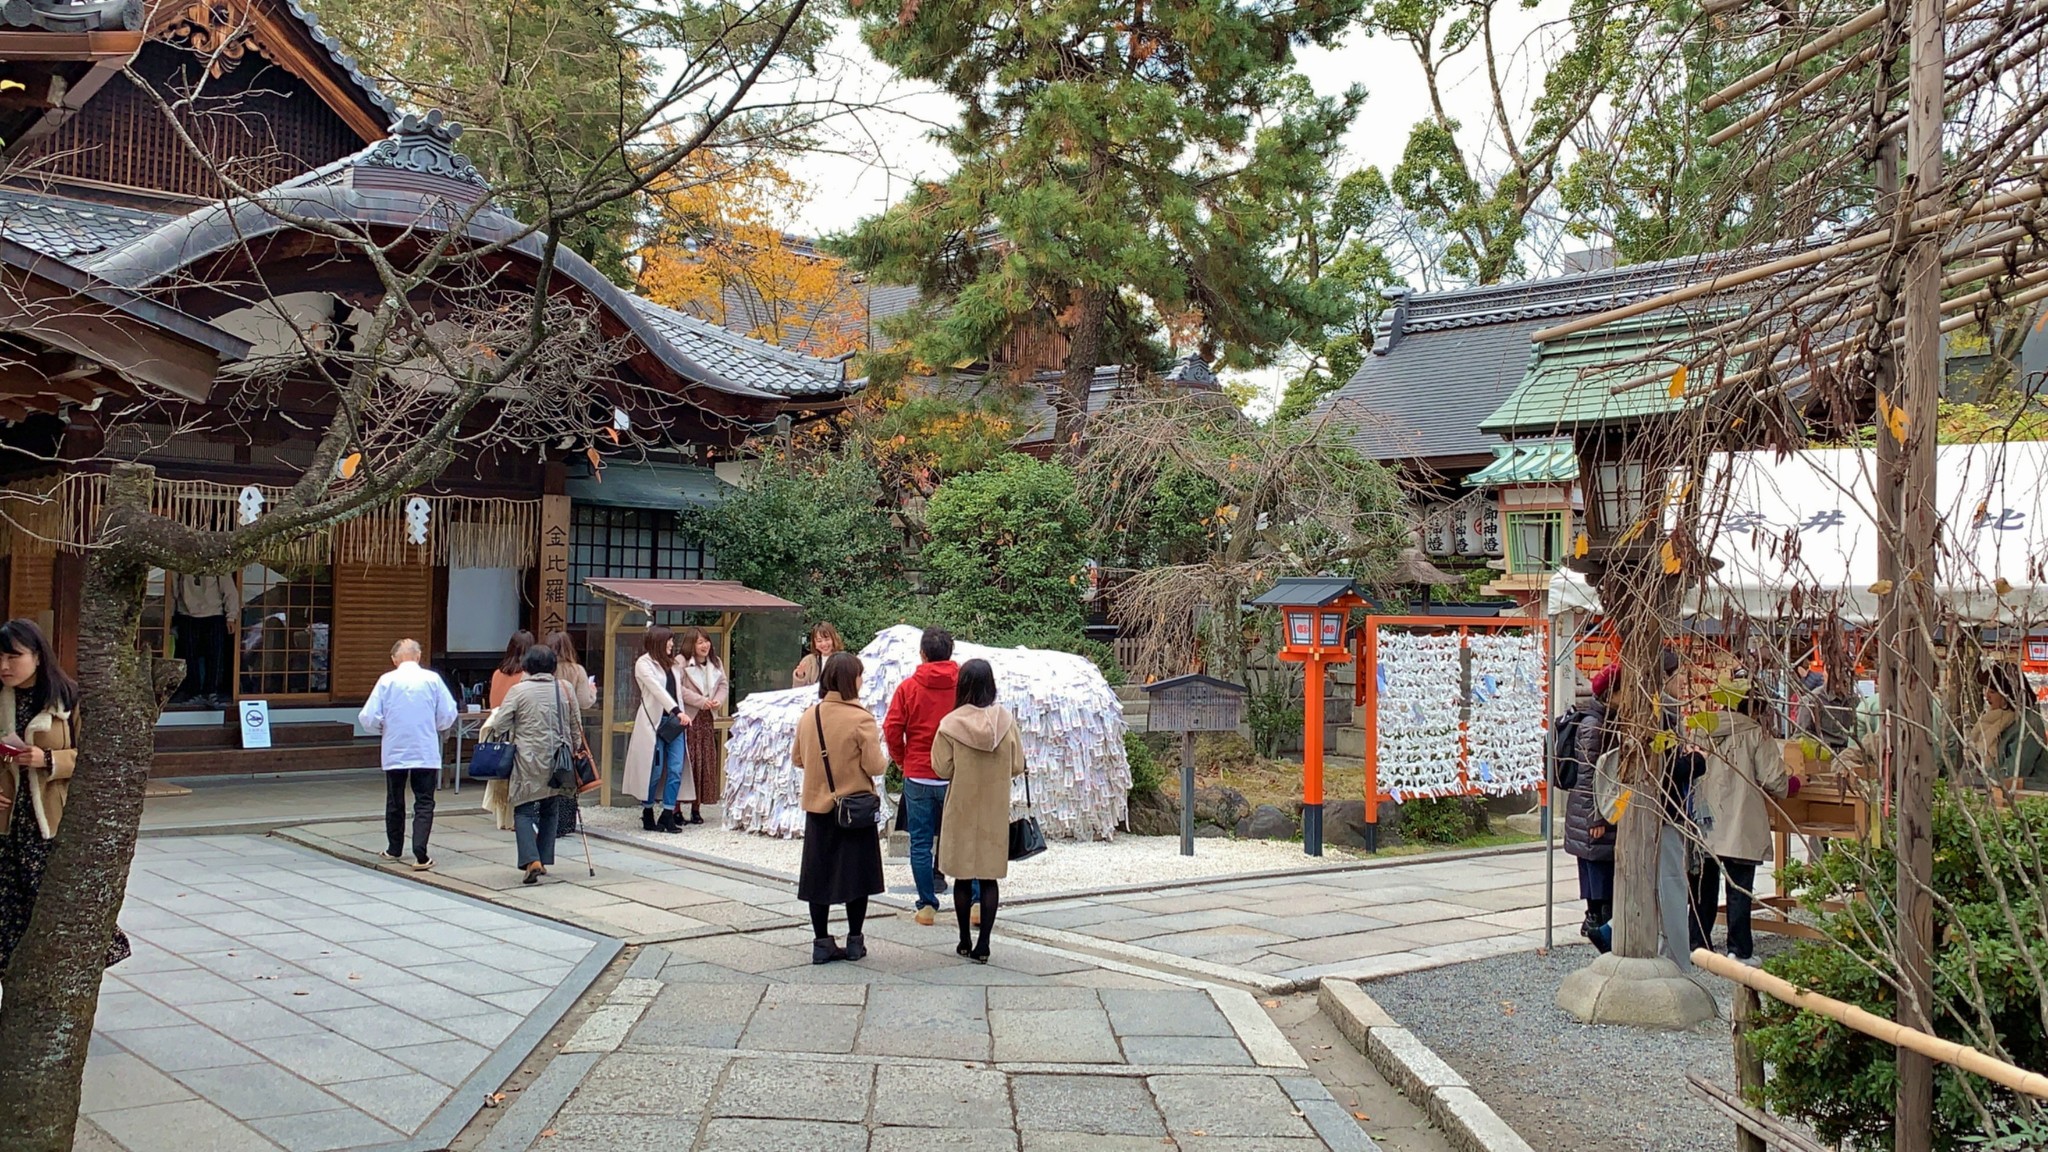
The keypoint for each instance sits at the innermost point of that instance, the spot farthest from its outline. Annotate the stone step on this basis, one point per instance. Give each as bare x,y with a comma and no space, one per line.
1349,742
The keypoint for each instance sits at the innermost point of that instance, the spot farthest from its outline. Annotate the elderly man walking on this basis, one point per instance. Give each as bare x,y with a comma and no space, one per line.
410,707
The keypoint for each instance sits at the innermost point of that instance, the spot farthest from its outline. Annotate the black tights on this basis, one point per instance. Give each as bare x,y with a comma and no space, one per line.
963,898
821,917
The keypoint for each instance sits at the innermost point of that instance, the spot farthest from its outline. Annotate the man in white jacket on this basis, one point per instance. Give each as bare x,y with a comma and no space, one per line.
410,707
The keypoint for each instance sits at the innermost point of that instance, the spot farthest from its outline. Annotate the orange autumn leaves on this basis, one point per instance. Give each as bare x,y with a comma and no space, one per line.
717,250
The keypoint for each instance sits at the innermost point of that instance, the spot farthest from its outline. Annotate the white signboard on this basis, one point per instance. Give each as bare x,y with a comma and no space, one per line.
255,723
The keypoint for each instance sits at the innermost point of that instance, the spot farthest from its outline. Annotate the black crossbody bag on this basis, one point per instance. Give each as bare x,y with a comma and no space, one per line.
860,810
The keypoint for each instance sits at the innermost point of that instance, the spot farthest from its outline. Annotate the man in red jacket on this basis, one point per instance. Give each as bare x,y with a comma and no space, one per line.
911,722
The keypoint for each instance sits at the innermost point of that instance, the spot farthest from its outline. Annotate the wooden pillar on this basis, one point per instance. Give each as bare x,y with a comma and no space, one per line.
614,615
1312,758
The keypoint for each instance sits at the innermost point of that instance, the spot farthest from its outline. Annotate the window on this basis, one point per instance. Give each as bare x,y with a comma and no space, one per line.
1535,541
634,543
287,631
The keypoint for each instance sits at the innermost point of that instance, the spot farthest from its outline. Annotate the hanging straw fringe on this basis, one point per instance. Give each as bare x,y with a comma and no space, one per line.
42,517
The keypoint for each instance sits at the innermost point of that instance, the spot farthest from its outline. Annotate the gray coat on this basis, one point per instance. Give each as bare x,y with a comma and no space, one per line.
538,716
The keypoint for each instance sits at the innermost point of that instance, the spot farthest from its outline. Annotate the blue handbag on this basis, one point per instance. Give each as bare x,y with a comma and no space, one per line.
492,760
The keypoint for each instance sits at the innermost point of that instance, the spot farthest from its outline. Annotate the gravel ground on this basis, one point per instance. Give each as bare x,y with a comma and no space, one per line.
1067,867
1562,1084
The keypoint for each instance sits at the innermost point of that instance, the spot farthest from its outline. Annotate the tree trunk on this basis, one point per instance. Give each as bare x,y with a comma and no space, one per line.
1084,355
1635,592
46,1018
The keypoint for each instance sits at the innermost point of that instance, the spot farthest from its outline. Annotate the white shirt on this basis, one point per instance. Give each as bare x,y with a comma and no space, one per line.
411,707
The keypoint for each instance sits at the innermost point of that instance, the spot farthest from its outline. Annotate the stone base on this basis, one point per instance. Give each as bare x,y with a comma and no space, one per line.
899,846
1531,824
1649,993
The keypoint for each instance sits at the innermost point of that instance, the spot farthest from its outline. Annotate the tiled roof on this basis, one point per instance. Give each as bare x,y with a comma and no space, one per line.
1442,362
1528,462
67,228
753,363
73,16
343,60
1570,383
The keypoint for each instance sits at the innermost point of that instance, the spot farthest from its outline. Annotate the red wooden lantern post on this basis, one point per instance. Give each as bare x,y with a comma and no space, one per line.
1314,614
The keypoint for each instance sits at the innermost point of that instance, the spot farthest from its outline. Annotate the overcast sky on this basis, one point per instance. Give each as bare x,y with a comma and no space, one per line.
874,157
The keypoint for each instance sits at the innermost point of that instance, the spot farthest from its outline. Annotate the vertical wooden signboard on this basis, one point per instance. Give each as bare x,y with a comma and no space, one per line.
552,613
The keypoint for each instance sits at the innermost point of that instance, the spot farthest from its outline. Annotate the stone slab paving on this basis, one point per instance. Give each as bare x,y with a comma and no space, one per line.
1362,922
280,999
740,1043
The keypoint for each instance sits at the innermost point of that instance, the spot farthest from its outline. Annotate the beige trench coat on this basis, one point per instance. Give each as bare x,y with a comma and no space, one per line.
979,751
654,703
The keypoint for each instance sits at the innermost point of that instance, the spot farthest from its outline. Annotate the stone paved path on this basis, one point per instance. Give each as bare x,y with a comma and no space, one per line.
1374,920
739,1044
279,998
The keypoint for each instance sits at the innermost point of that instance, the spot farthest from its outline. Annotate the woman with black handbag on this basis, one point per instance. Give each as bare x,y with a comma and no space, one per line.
657,754
977,751
535,718
840,751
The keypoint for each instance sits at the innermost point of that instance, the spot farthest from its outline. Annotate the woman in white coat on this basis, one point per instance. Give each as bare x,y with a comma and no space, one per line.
657,769
1745,769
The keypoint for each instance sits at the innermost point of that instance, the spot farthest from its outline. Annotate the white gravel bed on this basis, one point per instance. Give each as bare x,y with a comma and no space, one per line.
1066,868
1559,1083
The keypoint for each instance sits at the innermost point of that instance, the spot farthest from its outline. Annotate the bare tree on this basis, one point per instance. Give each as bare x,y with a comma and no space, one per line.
465,337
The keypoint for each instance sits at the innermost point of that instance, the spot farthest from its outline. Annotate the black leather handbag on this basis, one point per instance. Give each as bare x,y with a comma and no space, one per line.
860,810
1027,839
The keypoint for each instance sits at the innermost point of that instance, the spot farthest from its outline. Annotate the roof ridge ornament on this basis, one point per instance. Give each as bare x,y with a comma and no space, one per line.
424,145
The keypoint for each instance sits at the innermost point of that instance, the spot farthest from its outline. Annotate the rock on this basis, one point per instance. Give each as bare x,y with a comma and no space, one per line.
1344,824
1223,807
1210,832
1268,823
1153,814
1651,993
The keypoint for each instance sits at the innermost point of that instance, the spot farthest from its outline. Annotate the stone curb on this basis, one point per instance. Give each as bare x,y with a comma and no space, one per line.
1417,1071
1096,947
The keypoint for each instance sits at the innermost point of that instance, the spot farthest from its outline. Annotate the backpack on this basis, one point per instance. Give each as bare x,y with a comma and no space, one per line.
1564,747
1610,797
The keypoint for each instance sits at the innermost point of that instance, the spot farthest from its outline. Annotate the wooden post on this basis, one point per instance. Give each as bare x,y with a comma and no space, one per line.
614,615
1187,793
1369,680
1912,736
1749,1067
551,610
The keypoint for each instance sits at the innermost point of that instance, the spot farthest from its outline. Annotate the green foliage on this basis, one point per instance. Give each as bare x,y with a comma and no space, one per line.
813,531
1112,177
1147,774
1274,711
1841,1082
1439,820
1006,551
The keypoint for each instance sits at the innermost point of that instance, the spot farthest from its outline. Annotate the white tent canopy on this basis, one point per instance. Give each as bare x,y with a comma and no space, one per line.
1804,526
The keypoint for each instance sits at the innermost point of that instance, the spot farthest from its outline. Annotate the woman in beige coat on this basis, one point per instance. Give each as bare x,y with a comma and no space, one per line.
839,749
538,715
657,770
978,752
1745,766
37,702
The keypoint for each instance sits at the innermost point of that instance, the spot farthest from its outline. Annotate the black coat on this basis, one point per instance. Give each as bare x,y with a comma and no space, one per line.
1580,814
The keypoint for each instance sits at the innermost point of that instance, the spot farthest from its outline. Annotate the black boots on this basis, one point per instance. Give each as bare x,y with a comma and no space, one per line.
825,950
856,947
647,819
669,822
1597,928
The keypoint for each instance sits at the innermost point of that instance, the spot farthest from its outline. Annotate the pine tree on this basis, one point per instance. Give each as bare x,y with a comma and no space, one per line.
1120,166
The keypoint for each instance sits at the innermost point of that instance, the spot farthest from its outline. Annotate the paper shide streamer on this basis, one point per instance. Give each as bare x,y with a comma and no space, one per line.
1069,717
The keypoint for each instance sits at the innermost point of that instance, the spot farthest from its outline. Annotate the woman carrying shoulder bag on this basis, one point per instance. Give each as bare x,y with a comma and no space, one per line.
978,750
657,754
840,751
535,717
37,703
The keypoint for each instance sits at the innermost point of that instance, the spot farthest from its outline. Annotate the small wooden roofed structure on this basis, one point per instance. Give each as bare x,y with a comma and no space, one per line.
625,598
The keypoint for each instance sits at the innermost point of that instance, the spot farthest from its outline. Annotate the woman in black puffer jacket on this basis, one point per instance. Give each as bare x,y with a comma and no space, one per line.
1587,837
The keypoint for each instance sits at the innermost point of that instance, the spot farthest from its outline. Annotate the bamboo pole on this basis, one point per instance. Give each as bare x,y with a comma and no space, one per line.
1793,263
1868,19
1876,1027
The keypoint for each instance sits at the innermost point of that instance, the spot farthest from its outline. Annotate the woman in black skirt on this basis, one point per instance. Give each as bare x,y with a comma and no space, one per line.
840,752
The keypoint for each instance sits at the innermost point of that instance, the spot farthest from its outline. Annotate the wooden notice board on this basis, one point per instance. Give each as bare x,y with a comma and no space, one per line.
551,613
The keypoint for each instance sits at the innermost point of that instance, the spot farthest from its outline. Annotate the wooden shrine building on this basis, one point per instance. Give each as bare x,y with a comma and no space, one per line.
129,275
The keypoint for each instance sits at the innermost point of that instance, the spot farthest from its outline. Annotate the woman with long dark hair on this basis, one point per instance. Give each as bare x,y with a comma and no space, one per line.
704,690
576,680
37,705
977,751
511,670
657,765
839,748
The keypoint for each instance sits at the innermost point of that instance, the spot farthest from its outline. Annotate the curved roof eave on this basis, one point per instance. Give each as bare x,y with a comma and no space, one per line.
215,229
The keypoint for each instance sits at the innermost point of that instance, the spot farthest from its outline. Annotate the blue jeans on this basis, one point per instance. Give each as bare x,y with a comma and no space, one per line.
671,762
924,806
534,824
